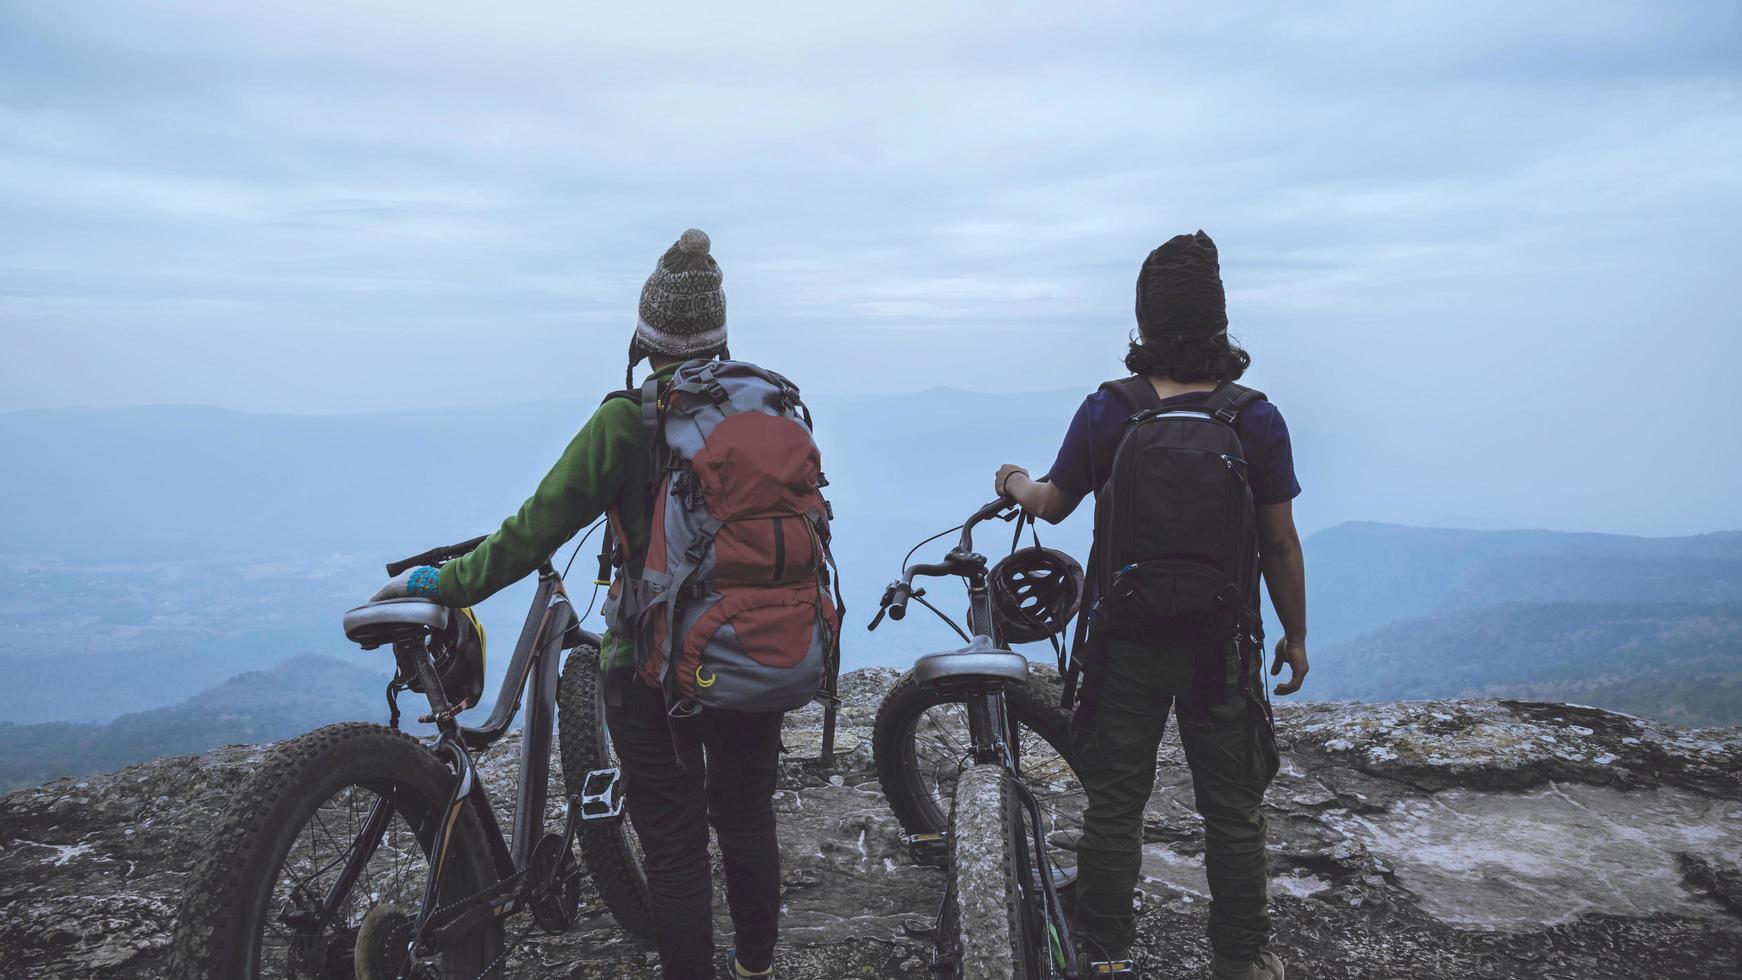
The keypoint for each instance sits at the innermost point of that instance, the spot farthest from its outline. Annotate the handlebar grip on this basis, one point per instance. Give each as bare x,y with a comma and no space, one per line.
435,555
898,605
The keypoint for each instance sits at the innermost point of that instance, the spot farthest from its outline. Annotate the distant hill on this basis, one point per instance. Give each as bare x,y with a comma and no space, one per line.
1675,661
152,551
149,552
1361,576
259,706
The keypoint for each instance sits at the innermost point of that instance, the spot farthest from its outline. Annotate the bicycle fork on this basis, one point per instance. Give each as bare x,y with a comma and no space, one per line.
1053,911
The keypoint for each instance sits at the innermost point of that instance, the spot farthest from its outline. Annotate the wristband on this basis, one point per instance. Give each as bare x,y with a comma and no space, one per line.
424,581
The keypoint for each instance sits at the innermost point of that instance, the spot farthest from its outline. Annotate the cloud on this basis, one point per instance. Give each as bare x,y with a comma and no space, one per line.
349,206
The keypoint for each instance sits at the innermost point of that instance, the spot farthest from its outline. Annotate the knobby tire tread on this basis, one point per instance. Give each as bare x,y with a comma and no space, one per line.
983,868
605,849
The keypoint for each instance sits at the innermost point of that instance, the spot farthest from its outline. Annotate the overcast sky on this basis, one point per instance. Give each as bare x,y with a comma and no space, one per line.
1442,225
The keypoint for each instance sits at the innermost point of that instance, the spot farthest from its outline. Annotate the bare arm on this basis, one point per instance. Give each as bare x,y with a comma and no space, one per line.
1037,497
1279,554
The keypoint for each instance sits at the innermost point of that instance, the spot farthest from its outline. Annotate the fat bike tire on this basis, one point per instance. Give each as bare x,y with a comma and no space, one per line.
986,871
1033,706
228,901
608,849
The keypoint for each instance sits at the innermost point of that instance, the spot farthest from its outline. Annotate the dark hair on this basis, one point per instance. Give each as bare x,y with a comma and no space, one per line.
1188,358
636,354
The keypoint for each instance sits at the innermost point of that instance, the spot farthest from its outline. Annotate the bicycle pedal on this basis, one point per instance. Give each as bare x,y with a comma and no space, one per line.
1113,968
602,795
928,846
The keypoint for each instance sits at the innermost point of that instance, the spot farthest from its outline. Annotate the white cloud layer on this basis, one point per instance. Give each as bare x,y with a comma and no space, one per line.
1439,221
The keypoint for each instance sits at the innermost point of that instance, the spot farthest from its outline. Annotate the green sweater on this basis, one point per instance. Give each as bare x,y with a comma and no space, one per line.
606,465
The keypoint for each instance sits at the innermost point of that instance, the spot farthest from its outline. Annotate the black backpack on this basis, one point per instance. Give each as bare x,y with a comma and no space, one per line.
1176,540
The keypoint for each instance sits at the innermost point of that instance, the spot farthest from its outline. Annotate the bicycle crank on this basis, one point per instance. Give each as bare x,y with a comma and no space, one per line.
382,940
553,891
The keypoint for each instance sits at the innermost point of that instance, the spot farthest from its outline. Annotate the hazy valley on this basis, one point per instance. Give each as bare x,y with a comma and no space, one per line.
155,557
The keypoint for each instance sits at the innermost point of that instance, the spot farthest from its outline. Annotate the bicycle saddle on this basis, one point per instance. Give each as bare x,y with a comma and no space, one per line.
392,620
978,662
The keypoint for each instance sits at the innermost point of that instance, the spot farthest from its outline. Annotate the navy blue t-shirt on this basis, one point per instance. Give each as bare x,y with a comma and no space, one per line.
1085,460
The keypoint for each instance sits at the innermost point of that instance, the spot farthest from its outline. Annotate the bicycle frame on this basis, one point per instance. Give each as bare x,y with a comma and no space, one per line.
551,627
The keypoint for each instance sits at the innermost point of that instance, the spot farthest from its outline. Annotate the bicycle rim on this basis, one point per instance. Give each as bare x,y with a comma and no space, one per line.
393,878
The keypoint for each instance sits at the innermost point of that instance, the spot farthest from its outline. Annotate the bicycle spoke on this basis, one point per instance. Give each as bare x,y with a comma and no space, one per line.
394,873
940,738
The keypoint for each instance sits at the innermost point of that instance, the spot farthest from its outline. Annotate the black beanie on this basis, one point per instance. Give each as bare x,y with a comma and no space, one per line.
1179,290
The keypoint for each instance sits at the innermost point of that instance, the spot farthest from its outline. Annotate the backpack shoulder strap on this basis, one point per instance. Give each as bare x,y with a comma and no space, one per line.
1136,392
648,399
1229,400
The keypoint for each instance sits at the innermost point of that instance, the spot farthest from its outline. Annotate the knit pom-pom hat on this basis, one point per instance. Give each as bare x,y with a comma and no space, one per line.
683,309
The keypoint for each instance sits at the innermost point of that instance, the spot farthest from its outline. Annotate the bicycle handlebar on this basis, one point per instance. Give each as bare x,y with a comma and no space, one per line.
435,555
994,509
960,561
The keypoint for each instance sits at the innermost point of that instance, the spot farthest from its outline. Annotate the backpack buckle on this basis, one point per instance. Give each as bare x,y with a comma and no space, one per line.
1227,415
716,392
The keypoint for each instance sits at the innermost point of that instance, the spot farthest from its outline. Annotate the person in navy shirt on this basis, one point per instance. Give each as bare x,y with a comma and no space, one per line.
1183,349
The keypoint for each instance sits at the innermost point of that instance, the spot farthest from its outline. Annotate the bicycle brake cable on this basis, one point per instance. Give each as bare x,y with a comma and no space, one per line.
940,614
927,541
581,543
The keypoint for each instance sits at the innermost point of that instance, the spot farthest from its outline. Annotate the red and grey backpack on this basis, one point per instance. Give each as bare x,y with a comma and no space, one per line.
731,607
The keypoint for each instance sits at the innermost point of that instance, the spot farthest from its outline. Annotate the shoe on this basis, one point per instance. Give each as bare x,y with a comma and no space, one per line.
736,971
1266,967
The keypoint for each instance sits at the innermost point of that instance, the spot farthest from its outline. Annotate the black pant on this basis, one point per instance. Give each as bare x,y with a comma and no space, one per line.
1232,755
670,807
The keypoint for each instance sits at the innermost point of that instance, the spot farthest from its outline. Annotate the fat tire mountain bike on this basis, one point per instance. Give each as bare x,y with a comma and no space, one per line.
359,851
1000,766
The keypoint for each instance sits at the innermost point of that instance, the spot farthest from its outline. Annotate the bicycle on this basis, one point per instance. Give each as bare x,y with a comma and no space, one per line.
418,879
1006,846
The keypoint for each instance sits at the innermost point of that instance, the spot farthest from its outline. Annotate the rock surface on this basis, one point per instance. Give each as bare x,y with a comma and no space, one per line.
1451,839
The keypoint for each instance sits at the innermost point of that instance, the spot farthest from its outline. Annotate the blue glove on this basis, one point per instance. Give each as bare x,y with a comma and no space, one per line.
414,583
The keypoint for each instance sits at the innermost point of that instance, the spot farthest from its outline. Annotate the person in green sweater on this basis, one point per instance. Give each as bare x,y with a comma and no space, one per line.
724,765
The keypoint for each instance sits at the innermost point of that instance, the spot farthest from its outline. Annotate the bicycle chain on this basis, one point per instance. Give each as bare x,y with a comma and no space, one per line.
507,950
510,949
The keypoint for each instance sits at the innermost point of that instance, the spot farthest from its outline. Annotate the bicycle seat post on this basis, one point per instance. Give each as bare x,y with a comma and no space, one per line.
414,658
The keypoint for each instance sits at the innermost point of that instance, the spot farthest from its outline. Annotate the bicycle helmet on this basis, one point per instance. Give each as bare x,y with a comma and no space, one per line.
1035,592
459,658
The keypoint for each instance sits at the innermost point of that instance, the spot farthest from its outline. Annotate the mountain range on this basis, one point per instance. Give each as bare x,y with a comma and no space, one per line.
149,556
299,694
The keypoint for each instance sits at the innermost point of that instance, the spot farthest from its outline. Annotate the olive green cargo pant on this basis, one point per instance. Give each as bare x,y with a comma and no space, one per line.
1128,691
